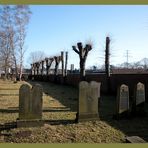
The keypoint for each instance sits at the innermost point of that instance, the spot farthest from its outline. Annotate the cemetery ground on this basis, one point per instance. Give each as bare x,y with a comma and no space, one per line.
59,113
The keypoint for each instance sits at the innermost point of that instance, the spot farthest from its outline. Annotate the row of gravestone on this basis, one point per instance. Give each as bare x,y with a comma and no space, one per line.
30,103
128,107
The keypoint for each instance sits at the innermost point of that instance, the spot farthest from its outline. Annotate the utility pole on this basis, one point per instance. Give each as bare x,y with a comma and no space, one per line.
127,56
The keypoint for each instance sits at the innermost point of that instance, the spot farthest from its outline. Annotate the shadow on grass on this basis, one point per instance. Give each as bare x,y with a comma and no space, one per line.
52,109
66,95
131,126
136,126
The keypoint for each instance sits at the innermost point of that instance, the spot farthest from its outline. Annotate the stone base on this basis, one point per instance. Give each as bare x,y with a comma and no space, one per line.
29,123
86,117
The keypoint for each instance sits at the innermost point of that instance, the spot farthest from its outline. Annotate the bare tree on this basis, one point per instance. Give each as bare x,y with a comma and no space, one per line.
22,16
36,56
49,61
5,34
13,22
83,53
57,62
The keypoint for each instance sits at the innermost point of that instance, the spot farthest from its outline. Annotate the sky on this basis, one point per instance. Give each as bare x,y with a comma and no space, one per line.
56,28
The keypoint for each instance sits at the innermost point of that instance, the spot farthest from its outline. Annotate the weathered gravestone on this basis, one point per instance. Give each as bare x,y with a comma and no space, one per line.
140,93
122,99
24,102
89,93
30,105
139,99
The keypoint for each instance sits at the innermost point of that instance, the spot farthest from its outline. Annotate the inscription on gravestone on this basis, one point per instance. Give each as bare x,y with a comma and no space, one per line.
123,99
89,93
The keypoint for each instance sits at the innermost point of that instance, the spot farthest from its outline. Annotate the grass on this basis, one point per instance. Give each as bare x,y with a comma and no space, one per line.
59,108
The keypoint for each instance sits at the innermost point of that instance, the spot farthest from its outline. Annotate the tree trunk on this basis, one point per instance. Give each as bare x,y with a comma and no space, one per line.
66,59
62,60
107,57
82,69
21,72
16,75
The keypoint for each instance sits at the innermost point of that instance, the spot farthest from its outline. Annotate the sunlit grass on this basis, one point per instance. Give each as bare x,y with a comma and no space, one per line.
60,104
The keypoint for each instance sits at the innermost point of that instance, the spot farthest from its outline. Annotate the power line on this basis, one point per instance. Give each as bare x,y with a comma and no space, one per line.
127,58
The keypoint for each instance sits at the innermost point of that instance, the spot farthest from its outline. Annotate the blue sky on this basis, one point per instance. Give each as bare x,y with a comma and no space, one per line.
56,28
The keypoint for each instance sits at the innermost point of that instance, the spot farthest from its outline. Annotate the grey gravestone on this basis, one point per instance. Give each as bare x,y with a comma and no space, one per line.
140,93
24,101
138,107
36,96
122,99
89,93
30,105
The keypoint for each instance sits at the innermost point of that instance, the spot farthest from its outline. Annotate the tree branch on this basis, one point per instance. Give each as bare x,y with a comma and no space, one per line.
74,48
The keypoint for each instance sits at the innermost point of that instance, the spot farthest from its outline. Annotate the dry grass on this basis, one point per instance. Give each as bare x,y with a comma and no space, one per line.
60,104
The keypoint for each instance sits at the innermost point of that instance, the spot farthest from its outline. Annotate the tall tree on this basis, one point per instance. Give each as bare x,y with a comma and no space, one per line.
22,16
13,23
5,34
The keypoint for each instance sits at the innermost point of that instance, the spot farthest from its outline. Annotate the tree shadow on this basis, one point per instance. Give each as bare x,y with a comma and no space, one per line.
45,109
66,95
130,126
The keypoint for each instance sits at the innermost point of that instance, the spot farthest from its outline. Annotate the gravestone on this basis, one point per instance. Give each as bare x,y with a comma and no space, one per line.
24,102
89,93
30,106
139,100
140,93
36,102
122,99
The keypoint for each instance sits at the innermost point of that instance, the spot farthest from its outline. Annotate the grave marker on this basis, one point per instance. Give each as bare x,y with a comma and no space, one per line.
36,96
89,93
24,101
140,93
30,106
139,100
122,99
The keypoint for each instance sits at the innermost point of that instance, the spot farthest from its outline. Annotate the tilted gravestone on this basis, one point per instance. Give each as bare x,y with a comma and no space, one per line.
122,99
30,105
89,93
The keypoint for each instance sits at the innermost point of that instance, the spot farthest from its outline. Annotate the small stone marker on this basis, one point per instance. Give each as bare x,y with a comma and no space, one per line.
134,139
140,93
89,93
30,105
122,99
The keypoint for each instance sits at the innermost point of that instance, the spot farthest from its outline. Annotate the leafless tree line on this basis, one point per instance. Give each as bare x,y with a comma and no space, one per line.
13,24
